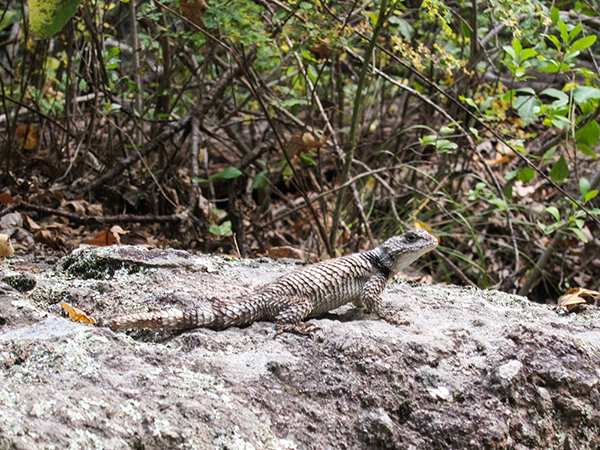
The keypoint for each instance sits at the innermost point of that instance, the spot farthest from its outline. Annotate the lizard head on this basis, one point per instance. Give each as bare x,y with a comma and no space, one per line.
400,251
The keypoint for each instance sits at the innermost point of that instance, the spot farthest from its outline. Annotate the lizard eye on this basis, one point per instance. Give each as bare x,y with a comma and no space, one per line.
411,237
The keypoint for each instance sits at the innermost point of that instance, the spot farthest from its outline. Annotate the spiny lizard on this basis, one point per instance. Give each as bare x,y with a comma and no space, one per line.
308,292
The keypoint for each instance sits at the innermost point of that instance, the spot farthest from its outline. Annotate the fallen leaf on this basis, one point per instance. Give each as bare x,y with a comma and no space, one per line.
103,239
6,199
77,314
32,224
6,248
573,297
291,252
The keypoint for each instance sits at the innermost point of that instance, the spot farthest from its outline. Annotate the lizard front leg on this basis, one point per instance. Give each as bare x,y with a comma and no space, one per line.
371,297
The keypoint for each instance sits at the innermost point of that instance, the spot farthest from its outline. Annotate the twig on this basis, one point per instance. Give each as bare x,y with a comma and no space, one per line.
120,218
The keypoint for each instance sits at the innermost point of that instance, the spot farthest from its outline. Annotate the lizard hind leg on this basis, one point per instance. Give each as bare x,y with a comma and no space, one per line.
291,312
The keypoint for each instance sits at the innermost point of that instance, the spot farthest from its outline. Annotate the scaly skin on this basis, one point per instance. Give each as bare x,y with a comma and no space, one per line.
308,292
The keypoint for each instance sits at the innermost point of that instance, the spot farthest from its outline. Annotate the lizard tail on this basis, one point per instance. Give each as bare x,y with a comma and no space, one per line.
170,318
218,314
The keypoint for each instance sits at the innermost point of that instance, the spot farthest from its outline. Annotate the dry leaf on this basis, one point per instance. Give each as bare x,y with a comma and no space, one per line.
572,297
6,248
32,224
291,252
194,9
302,143
323,49
76,314
103,239
27,135
6,199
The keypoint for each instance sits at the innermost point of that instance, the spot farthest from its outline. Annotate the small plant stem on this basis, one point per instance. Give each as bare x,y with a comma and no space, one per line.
195,152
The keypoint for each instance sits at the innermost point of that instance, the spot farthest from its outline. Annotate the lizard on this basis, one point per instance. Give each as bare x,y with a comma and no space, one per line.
315,289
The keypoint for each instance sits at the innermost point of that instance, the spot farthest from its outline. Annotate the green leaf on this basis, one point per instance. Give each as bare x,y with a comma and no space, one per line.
287,172
560,122
307,161
554,211
527,107
583,94
443,145
574,32
260,181
586,150
470,102
555,41
10,16
528,53
590,195
406,29
564,33
583,43
516,45
579,234
508,49
228,174
554,67
428,140
525,90
312,73
584,186
499,203
559,171
560,95
589,134
548,155
554,14
542,227
507,190
48,17
526,174
222,230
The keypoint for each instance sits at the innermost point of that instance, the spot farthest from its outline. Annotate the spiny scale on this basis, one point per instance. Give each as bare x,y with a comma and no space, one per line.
308,292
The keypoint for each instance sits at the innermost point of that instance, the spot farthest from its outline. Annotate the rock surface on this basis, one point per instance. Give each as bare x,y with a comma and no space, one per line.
473,369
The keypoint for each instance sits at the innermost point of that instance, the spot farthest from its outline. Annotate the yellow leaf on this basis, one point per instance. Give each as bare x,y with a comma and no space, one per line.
76,314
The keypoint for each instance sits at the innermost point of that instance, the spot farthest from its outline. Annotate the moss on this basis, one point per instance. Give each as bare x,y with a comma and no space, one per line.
21,283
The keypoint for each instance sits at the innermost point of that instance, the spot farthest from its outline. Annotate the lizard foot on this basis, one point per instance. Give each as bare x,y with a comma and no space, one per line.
302,328
393,320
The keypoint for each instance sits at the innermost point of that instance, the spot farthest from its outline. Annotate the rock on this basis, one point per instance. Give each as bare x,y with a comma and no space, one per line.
473,369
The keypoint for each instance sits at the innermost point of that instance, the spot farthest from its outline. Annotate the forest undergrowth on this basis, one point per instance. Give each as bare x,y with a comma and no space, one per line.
311,129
